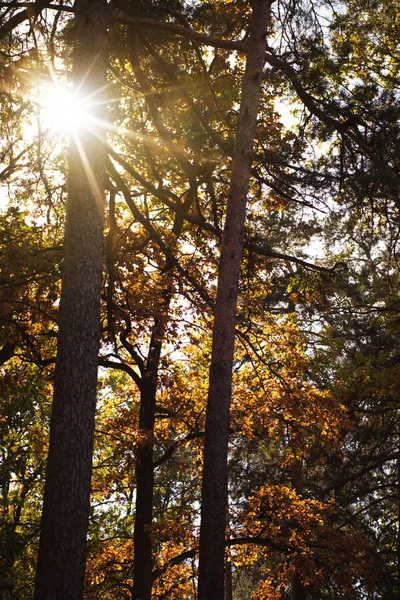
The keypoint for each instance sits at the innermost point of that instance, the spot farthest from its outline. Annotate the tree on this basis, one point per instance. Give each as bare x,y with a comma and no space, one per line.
312,433
62,550
215,473
24,433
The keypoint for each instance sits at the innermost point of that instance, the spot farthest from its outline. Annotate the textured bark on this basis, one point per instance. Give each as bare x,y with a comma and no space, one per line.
62,551
215,474
398,519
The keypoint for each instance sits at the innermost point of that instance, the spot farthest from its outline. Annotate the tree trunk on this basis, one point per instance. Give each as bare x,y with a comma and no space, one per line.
215,474
299,590
143,564
398,519
62,551
144,470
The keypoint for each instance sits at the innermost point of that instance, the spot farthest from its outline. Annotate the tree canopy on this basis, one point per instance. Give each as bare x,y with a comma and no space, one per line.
199,299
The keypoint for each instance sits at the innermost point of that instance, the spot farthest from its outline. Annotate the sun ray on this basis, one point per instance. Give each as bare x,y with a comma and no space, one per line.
64,111
96,191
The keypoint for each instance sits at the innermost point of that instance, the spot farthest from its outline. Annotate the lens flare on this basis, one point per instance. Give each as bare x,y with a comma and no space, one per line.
65,112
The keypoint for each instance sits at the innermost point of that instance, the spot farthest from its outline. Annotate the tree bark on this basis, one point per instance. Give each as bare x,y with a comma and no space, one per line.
144,470
62,550
215,474
398,518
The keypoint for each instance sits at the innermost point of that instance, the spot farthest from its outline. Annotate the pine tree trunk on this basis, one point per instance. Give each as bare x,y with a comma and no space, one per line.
398,520
215,474
62,551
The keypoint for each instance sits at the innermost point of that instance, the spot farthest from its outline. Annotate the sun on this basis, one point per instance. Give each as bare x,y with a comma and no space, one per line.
65,111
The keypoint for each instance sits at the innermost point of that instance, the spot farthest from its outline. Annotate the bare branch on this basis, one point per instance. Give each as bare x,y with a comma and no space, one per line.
120,366
32,11
175,445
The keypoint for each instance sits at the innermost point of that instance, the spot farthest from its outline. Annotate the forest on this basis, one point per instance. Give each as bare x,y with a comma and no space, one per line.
200,299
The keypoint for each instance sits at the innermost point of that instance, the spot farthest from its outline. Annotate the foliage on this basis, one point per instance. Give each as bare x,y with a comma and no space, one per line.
314,444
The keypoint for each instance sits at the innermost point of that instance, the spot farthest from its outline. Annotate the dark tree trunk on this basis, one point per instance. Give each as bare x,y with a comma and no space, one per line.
215,475
62,551
142,566
299,590
143,563
398,520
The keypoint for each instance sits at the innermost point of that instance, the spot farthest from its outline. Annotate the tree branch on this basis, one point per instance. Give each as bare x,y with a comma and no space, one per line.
312,103
6,352
154,234
182,31
240,541
112,364
175,445
32,11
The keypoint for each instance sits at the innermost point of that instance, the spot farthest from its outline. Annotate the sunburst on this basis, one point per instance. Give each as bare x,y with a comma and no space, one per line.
64,111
